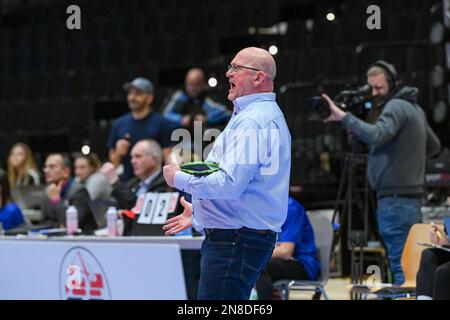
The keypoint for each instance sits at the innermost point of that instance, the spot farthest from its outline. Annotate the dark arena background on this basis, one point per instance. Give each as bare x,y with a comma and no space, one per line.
61,89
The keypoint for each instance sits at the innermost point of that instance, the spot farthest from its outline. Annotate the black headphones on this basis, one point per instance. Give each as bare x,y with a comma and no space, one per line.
393,80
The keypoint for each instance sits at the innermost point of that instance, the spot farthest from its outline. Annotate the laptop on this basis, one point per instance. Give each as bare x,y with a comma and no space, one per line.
29,197
99,208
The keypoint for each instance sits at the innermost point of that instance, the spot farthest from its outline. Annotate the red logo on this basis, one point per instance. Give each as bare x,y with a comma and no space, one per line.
81,277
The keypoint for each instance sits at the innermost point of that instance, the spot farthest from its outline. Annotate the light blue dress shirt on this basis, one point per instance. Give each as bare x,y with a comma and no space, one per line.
254,155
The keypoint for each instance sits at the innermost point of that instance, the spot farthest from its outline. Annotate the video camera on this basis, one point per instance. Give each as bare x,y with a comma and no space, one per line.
357,101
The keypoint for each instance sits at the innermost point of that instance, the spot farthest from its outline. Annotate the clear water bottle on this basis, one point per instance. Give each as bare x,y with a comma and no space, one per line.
120,226
254,294
71,220
111,221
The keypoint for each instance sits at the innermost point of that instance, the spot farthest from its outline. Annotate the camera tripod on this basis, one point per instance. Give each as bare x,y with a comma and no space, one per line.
354,193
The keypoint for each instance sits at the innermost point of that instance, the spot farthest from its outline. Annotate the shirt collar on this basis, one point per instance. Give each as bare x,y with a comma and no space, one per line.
146,183
241,102
66,186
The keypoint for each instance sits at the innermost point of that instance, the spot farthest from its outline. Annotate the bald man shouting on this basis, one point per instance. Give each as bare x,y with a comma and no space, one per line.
241,207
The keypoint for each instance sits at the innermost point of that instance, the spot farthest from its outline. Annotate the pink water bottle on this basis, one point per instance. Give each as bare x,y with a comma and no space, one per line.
111,221
71,220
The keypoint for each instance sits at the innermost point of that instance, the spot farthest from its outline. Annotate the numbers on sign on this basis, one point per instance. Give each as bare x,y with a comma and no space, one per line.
163,205
148,208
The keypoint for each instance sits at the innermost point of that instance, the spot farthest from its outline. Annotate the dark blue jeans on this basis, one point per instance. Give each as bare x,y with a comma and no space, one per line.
396,215
231,262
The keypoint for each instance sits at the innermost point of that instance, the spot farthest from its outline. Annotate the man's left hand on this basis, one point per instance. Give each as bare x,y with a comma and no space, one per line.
336,113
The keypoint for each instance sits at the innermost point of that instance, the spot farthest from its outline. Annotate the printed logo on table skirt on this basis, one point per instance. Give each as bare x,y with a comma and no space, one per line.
81,277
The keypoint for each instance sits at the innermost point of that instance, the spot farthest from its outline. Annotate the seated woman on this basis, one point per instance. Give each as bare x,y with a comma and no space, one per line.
10,214
86,171
295,254
22,169
433,277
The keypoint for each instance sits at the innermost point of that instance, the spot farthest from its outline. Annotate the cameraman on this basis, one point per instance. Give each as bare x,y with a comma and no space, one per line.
400,141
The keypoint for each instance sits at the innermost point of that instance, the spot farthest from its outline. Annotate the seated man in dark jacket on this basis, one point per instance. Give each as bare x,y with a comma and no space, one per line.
146,160
62,191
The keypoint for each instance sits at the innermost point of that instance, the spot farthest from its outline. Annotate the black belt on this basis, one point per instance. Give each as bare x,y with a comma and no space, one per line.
403,195
210,231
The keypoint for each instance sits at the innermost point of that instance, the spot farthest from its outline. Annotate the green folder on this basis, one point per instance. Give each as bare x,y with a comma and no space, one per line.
199,168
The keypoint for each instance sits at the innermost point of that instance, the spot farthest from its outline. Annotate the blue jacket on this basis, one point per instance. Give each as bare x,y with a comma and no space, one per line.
11,216
180,104
298,229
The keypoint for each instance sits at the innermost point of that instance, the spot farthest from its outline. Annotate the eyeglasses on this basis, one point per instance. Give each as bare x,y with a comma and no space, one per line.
236,68
50,167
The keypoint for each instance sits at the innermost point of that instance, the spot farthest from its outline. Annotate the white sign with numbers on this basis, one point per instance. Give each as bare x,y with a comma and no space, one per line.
157,207
161,212
146,215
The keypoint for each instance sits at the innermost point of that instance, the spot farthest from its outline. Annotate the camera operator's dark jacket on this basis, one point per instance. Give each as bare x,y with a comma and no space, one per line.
401,140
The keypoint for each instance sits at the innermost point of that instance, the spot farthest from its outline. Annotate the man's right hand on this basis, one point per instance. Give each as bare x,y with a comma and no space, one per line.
109,171
122,147
437,236
53,190
180,222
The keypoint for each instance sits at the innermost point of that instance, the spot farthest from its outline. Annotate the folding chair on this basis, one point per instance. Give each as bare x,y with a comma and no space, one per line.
410,265
323,234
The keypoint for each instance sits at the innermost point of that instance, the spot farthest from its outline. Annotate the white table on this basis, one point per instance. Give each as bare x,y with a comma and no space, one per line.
185,242
89,267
